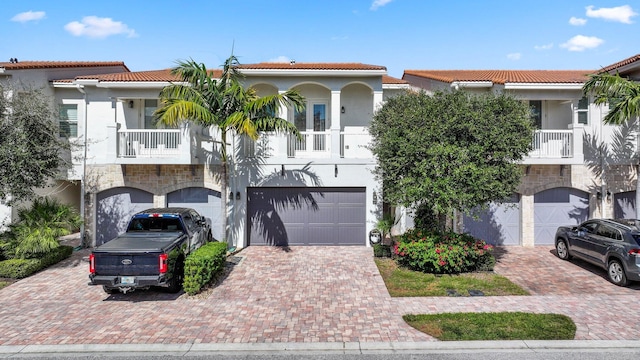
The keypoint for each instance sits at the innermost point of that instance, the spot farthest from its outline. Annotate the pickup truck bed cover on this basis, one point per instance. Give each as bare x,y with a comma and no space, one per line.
143,241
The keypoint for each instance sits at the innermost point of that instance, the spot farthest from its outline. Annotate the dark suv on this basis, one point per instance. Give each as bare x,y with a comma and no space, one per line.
613,245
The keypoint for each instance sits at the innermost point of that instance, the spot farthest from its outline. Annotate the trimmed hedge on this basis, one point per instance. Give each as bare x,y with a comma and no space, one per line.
22,268
204,265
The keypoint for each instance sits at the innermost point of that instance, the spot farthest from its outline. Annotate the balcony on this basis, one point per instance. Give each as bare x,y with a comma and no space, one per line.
153,146
557,147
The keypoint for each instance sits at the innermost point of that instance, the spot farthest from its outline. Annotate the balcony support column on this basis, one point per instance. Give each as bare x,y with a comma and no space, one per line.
577,145
112,143
336,124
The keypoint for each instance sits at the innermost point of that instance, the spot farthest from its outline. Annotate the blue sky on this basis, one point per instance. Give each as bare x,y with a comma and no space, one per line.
398,34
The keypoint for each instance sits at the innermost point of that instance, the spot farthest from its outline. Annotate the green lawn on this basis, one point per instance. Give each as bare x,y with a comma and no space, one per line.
403,282
494,326
472,326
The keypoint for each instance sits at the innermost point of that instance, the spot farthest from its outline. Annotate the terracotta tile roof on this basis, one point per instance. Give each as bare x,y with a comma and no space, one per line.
620,64
311,66
139,76
504,76
22,65
392,80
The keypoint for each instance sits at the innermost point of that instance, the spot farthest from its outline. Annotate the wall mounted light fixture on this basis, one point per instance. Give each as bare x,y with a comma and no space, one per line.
375,198
335,170
231,195
282,170
342,110
237,195
130,104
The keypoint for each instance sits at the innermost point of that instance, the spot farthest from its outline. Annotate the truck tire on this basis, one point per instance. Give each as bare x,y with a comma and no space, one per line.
110,290
175,285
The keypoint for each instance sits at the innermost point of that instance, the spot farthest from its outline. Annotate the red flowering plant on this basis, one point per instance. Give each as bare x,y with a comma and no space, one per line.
443,253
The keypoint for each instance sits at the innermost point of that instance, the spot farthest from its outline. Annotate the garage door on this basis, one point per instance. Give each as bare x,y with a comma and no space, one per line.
557,207
624,206
497,225
306,216
115,207
205,201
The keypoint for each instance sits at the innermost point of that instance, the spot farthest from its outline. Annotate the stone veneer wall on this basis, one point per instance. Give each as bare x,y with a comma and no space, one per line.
156,179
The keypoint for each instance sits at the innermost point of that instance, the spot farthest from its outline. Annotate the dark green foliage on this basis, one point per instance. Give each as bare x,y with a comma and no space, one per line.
380,250
203,265
443,253
39,227
21,268
29,143
450,150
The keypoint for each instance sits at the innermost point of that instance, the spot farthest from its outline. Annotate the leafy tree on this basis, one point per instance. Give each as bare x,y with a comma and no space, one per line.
29,143
39,227
450,150
225,104
623,97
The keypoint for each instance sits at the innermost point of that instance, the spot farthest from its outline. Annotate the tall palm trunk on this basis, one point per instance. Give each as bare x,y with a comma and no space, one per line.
224,187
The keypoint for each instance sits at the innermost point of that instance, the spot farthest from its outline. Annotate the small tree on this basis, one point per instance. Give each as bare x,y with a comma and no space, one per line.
29,143
451,150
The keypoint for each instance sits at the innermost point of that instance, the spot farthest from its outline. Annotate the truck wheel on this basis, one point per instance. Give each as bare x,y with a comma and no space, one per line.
110,290
175,285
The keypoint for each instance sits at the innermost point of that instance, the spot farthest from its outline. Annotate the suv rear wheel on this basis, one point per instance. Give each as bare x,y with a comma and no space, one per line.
561,249
616,273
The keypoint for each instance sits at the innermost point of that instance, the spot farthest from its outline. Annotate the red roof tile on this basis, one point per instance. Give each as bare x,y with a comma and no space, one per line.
504,76
22,65
311,66
392,80
140,76
620,64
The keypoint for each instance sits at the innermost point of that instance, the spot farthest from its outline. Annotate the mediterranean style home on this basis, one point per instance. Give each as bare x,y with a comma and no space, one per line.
319,190
569,178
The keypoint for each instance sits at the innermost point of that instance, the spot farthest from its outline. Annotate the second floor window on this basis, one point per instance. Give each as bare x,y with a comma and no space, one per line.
536,113
150,106
583,111
68,120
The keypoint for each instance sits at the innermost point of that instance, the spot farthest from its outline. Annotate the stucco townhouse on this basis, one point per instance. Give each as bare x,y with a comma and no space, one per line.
319,190
562,182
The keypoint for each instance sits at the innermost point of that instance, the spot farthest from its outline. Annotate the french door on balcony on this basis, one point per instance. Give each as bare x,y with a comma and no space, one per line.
312,124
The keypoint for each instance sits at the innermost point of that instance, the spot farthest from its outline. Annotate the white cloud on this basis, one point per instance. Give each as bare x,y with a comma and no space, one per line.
577,21
581,43
544,47
280,59
621,14
95,27
378,4
514,56
29,16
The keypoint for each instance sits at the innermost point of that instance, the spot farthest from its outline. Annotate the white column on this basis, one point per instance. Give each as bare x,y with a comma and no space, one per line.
377,100
527,225
279,142
336,124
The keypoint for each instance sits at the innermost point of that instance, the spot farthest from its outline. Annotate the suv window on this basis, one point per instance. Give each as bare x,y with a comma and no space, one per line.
589,227
609,232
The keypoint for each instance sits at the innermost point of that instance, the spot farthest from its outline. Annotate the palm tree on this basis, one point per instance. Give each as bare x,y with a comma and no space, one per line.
623,97
226,104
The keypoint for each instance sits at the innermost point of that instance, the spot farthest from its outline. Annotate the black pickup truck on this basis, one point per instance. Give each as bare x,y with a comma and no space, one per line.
151,252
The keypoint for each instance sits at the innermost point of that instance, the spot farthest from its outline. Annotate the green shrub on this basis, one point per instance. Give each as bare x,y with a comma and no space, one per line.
380,250
204,265
443,253
22,268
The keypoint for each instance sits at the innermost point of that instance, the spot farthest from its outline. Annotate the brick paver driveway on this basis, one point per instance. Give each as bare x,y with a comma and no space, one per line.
306,294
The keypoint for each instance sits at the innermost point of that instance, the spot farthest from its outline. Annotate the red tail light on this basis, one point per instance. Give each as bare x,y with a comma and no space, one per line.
634,252
92,264
163,259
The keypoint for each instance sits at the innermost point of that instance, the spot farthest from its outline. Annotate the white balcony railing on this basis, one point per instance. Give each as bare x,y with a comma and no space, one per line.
154,143
552,144
312,143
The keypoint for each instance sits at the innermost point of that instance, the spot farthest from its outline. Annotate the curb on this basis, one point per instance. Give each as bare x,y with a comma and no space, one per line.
189,349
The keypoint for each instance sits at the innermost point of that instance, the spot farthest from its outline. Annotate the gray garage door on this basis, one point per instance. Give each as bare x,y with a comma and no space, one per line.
115,207
557,207
306,216
624,206
497,225
204,201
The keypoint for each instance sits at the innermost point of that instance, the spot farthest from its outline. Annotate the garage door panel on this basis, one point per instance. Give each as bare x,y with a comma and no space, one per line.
205,201
317,216
114,209
624,205
558,207
499,224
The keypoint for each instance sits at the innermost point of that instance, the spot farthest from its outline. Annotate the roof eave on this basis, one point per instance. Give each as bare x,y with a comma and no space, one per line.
472,84
312,72
543,86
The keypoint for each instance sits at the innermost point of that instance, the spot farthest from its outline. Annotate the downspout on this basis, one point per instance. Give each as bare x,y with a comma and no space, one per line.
84,169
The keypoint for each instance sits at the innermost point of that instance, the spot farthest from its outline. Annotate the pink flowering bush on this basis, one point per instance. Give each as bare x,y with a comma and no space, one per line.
443,253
